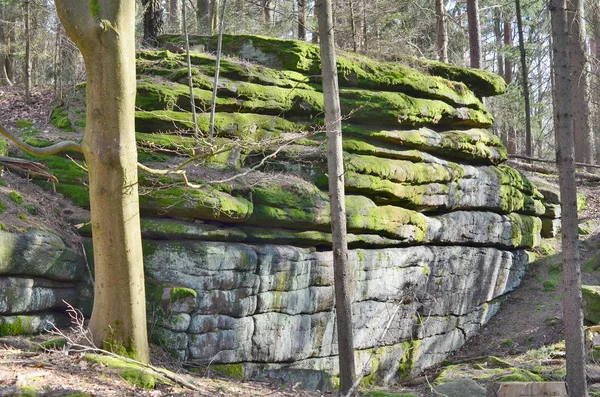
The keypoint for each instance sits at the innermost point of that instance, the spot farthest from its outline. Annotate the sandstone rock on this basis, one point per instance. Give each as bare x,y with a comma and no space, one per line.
26,295
591,303
459,388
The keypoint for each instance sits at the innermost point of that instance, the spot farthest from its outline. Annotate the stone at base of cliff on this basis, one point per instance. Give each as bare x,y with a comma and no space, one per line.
591,303
305,378
514,389
550,227
31,324
459,388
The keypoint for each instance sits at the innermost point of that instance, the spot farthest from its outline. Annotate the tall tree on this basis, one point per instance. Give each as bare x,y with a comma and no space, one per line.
5,50
474,33
580,84
153,21
441,42
301,19
174,19
563,118
335,167
103,30
507,44
524,80
27,61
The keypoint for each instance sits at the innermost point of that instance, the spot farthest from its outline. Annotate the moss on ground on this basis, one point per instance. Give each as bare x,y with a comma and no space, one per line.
134,374
60,119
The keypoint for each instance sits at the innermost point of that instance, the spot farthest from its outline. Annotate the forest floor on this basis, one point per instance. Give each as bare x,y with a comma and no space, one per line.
525,334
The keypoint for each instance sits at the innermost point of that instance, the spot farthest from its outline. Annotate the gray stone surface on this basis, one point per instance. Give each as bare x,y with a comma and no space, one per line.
459,388
25,295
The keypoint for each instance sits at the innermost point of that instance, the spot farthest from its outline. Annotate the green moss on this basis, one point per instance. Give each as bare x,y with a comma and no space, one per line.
2,207
520,375
18,325
482,82
232,371
591,302
134,374
203,203
381,393
60,119
547,249
95,8
24,124
182,293
53,344
3,147
16,197
23,217
27,391
407,362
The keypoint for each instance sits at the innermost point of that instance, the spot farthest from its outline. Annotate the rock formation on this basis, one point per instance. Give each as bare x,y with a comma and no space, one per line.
239,270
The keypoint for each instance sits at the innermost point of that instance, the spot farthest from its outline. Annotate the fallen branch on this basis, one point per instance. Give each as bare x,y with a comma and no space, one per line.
41,151
27,167
521,157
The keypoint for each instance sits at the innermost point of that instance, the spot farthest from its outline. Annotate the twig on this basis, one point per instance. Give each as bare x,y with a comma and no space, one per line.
41,151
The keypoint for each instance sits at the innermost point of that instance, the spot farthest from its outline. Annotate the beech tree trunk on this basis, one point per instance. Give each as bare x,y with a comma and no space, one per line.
441,43
580,83
474,33
524,81
563,118
104,33
335,167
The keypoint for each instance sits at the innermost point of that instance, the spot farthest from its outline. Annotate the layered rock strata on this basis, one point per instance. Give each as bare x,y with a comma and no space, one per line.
239,270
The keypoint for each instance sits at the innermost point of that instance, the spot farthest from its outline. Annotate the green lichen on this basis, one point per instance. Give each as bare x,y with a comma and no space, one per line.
2,207
520,375
407,362
3,147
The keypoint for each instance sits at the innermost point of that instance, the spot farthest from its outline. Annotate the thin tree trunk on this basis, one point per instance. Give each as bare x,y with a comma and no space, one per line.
5,80
507,45
301,20
441,43
563,117
596,73
498,37
213,104
189,75
580,84
524,80
267,17
153,22
353,26
105,34
365,43
27,61
315,35
203,17
474,33
174,16
335,165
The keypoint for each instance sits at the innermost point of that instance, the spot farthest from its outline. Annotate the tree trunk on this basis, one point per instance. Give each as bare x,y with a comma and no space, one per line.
474,33
507,45
301,19
353,26
174,16
104,33
335,166
315,35
267,16
563,118
441,42
203,17
5,80
524,80
27,60
153,22
580,83
498,38
596,73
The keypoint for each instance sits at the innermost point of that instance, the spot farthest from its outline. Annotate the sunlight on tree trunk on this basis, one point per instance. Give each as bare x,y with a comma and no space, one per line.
563,118
524,80
335,170
441,43
474,33
104,32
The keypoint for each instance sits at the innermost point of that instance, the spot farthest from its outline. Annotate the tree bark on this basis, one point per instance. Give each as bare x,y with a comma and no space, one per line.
104,33
507,44
441,42
580,83
524,81
174,16
203,17
335,166
563,117
474,33
301,19
5,80
267,16
498,37
27,60
153,22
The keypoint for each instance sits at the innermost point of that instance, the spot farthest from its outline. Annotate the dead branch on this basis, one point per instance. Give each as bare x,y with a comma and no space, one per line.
520,157
27,167
41,151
